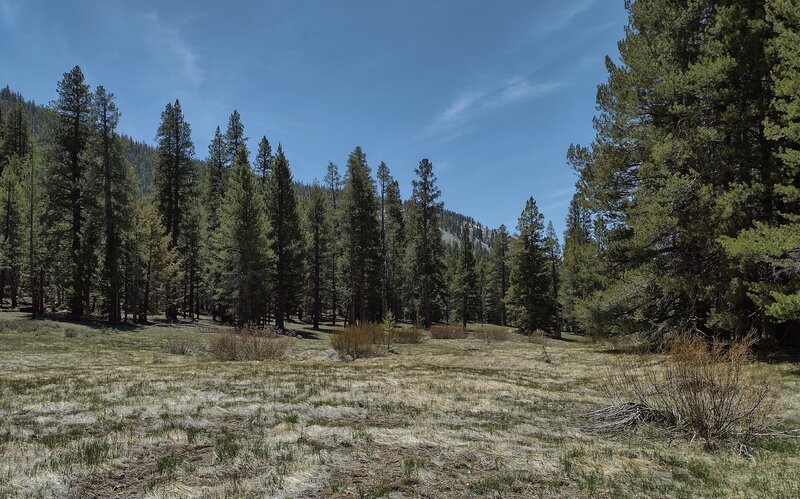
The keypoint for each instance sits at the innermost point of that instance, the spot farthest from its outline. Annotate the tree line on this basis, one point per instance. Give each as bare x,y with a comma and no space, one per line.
87,232
687,211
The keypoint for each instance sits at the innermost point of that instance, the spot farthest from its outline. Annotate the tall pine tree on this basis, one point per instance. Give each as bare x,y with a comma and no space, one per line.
245,250
318,230
530,293
425,243
117,188
361,238
286,236
71,132
174,175
333,182
467,298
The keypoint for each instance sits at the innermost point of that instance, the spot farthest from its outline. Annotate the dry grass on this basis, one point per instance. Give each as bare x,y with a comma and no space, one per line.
448,332
248,344
108,413
707,391
490,333
408,335
360,341
538,337
178,346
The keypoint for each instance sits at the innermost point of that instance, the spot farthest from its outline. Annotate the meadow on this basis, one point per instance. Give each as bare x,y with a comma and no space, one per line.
87,411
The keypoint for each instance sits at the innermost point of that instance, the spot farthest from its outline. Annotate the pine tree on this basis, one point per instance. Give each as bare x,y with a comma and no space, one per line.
15,138
467,298
11,237
530,295
395,249
681,161
333,182
2,135
71,131
157,262
117,186
234,138
772,246
214,188
174,175
32,177
286,236
263,162
245,255
191,250
319,245
497,278
553,250
425,241
580,265
215,184
361,237
384,179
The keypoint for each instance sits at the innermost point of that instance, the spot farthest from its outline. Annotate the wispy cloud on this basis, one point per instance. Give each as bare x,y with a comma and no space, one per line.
467,106
170,44
561,193
562,19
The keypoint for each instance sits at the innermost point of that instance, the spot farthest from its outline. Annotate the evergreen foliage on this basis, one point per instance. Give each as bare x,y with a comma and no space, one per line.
286,236
425,246
360,229
246,256
530,298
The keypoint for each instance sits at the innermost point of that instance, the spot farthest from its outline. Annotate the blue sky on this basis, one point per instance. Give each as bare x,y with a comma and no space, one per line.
492,92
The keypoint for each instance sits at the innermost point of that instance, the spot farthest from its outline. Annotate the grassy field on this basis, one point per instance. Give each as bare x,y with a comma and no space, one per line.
92,412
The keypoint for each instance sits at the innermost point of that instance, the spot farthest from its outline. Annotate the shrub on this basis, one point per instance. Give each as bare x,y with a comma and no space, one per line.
707,390
538,337
408,335
363,340
491,333
448,332
178,347
249,344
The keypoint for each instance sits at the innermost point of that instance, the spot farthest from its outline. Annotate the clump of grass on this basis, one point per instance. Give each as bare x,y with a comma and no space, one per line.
490,333
448,332
227,446
249,344
94,452
178,347
408,335
70,333
166,465
706,390
411,465
360,341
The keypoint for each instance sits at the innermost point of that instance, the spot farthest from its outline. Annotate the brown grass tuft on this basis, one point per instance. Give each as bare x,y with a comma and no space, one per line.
360,341
408,335
249,343
490,332
538,337
448,332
